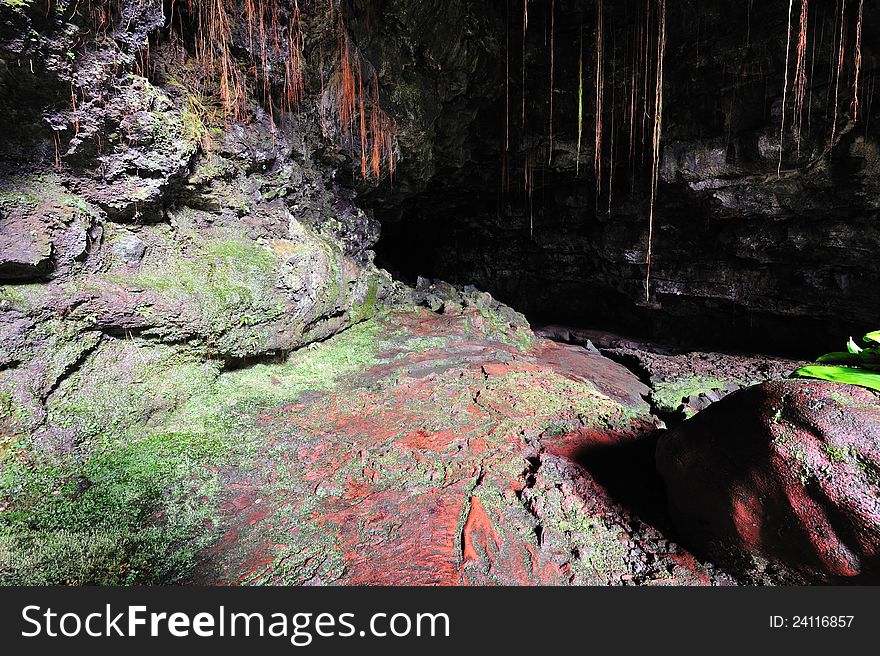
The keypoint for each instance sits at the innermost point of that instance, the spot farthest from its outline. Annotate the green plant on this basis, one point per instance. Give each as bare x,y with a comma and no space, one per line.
855,366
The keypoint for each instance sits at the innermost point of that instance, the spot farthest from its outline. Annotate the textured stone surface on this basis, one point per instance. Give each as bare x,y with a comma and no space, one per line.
786,470
449,460
741,257
199,375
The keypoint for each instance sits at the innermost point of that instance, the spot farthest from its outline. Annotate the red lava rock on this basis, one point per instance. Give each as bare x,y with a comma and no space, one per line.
395,477
438,441
789,470
609,377
242,501
478,529
493,369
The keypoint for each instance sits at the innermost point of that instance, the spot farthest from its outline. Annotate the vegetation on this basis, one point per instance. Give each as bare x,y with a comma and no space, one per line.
136,500
855,366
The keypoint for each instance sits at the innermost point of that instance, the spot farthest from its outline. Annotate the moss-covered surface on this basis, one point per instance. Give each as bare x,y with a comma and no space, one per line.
414,470
230,284
134,500
401,450
669,396
24,297
225,294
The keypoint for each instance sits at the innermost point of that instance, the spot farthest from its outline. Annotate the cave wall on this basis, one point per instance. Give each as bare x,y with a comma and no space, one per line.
742,256
139,225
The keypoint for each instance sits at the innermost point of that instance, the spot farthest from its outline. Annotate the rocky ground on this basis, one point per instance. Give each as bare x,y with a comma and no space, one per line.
453,456
439,441
204,377
682,382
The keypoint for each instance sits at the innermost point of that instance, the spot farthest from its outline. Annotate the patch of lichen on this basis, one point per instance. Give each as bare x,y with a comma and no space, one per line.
669,396
226,287
24,297
136,500
599,555
524,399
31,192
369,307
313,368
304,552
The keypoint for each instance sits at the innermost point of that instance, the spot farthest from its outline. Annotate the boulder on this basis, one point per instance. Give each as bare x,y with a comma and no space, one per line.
43,227
25,249
129,249
788,471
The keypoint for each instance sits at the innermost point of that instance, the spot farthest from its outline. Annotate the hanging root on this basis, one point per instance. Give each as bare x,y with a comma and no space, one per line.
658,129
525,29
580,104
552,70
507,84
600,92
800,77
785,89
612,146
856,107
358,107
360,79
840,57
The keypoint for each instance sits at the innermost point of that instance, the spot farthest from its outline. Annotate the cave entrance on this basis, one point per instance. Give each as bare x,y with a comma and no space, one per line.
520,178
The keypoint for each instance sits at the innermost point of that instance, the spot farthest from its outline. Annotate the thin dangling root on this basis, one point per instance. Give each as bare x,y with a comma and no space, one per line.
840,57
580,105
800,77
785,89
600,92
658,129
552,70
856,107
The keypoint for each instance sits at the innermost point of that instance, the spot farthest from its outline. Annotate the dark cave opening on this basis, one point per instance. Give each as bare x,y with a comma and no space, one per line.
507,199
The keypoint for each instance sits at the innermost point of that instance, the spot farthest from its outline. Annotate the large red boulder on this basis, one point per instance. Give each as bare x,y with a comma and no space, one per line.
787,470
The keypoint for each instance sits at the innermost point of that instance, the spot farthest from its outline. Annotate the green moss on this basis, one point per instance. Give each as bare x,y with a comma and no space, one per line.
225,285
599,555
425,344
19,199
5,404
137,501
836,453
545,402
367,309
492,325
193,119
668,396
132,512
308,553
316,367
24,297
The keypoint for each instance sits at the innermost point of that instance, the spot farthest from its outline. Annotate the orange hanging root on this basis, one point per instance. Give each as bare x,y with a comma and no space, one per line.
800,76
856,107
376,128
840,57
552,70
363,120
524,33
785,89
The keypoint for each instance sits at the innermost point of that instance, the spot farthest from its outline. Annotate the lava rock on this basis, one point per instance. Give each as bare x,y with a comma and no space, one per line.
787,470
25,250
130,249
43,228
